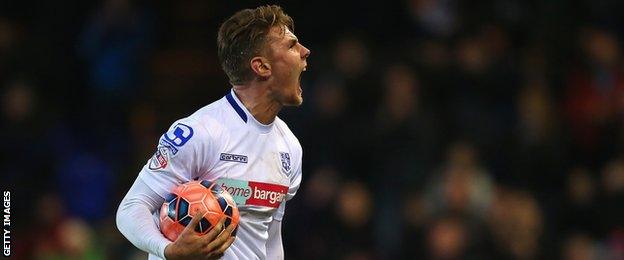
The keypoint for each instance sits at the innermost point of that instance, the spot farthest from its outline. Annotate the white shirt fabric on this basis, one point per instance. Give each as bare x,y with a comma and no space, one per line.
260,165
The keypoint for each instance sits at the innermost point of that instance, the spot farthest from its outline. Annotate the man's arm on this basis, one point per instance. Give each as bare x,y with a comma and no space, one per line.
135,221
274,247
180,154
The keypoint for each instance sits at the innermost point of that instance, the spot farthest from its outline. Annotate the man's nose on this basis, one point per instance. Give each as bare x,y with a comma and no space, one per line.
306,52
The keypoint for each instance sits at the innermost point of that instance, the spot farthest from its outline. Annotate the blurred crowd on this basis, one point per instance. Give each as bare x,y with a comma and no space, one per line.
437,129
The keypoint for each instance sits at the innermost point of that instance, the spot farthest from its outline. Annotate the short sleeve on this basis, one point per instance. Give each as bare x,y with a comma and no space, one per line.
295,183
182,153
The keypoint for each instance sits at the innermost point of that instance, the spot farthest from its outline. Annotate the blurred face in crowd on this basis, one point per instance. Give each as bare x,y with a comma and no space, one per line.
354,204
578,247
601,47
447,239
286,60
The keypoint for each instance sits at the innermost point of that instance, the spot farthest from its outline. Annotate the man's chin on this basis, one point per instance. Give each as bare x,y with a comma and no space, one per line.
299,99
294,102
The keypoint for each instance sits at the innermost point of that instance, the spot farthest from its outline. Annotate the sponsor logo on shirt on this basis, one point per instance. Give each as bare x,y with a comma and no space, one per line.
254,193
233,158
160,159
178,135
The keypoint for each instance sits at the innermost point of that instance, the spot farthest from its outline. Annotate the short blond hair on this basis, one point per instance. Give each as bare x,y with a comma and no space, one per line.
244,35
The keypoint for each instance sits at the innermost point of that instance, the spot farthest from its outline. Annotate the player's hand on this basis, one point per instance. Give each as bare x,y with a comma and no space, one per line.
191,245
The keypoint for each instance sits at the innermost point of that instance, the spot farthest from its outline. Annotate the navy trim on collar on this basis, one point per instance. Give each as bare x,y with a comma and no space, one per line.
236,107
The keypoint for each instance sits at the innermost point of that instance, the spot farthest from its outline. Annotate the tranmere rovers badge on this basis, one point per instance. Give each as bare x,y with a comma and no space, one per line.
285,158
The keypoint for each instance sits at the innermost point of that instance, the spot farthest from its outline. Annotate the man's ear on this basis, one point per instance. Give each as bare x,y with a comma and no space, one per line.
261,66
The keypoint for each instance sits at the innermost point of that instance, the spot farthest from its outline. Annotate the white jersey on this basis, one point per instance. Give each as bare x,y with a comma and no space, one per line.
259,165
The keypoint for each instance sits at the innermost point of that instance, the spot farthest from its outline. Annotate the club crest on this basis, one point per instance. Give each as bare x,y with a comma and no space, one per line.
285,158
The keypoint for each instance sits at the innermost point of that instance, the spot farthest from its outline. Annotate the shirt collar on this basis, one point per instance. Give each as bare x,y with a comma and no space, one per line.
245,115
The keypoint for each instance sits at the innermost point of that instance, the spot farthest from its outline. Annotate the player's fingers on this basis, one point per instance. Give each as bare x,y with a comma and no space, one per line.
221,239
216,256
226,245
214,232
218,252
190,228
230,228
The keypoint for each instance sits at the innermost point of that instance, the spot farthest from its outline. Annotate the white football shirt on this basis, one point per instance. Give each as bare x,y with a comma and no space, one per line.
259,165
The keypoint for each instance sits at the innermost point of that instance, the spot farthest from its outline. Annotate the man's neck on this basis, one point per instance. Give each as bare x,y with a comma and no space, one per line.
259,102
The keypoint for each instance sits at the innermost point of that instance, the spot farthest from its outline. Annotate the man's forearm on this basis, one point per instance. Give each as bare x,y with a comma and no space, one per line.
135,221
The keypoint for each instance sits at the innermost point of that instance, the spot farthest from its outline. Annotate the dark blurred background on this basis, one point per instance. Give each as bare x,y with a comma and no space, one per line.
437,129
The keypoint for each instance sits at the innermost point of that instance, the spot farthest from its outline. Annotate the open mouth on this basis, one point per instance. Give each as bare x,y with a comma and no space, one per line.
300,75
305,67
302,70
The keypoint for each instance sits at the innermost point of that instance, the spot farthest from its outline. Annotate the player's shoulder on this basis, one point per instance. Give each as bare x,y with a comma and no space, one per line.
211,117
217,117
207,123
288,133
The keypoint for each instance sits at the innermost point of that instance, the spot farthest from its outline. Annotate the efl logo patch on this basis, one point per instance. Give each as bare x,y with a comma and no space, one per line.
285,158
160,159
254,193
233,158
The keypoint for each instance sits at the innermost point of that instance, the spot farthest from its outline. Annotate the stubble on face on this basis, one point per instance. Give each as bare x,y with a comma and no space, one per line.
287,66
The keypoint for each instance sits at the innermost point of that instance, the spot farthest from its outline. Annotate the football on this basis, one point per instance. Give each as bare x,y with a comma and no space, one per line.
191,198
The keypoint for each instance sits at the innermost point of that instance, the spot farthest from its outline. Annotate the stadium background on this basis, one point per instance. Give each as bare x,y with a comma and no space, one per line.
431,128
